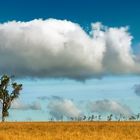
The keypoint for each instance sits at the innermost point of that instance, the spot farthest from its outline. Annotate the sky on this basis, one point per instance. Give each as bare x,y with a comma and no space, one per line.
73,57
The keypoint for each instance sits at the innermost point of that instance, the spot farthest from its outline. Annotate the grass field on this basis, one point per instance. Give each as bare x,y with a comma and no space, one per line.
70,131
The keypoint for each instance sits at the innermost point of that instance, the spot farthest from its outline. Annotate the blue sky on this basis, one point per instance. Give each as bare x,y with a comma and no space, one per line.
111,13
119,88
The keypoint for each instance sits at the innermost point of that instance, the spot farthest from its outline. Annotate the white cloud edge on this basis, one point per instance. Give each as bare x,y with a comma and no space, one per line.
62,49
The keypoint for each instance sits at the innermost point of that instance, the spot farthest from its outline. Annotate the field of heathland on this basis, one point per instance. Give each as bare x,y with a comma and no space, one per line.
70,131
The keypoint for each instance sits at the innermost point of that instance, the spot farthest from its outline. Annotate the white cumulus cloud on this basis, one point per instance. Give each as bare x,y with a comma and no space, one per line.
17,104
62,49
109,106
59,107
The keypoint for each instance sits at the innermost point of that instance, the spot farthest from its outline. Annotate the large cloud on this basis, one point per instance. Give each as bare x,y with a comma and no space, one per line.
59,107
60,48
109,106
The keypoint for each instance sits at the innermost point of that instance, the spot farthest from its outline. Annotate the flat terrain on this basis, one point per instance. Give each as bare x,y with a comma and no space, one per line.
70,131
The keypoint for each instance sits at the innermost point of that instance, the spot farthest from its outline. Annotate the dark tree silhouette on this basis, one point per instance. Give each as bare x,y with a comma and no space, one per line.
6,97
109,118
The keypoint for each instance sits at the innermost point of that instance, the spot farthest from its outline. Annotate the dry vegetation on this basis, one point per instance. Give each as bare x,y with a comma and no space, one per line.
70,131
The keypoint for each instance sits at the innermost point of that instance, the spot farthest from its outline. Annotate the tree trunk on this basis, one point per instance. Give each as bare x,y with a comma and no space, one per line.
3,117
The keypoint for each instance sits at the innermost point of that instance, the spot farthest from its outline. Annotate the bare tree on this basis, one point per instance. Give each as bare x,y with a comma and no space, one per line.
6,97
132,118
109,118
99,117
84,118
138,116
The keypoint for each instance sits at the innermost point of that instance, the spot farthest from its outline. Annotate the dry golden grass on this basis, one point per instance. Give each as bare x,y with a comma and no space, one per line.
70,131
